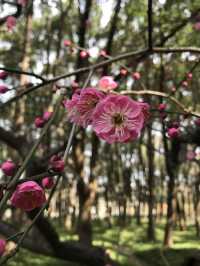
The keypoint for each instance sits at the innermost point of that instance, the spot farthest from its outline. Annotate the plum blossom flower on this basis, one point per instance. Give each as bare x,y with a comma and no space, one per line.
8,168
2,246
11,22
3,89
47,182
28,196
57,164
118,118
145,109
107,83
173,132
81,106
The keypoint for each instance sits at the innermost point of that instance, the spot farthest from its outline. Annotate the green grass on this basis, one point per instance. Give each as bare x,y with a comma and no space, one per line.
128,245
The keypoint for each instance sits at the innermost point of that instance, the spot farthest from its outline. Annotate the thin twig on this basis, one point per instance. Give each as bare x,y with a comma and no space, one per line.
21,72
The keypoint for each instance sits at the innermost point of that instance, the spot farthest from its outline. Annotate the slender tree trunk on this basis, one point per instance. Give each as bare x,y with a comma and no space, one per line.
171,159
151,197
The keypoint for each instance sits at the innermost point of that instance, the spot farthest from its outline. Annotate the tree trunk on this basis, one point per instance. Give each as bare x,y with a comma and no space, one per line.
151,197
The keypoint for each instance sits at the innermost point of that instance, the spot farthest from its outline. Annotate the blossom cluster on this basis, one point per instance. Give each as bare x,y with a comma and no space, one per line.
30,194
113,117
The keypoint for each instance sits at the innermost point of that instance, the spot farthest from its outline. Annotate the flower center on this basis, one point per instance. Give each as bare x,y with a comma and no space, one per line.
118,119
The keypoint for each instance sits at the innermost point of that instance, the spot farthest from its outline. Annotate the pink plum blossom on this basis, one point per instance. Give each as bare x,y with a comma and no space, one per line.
3,75
11,22
57,164
8,168
47,182
39,122
118,118
173,132
3,89
145,109
81,106
2,246
107,83
28,196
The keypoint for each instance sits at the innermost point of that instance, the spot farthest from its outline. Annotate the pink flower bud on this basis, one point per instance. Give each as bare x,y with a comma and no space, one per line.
197,122
57,163
47,182
107,83
196,26
103,53
3,75
189,76
8,168
176,124
190,155
185,83
2,246
67,43
136,75
84,54
173,89
39,122
3,89
28,196
162,107
123,72
75,84
11,22
47,115
173,132
22,2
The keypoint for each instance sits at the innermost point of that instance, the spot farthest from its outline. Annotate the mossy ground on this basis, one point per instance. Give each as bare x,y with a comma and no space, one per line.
128,245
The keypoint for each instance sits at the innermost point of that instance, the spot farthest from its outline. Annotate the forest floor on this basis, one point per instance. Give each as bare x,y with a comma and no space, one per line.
128,245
